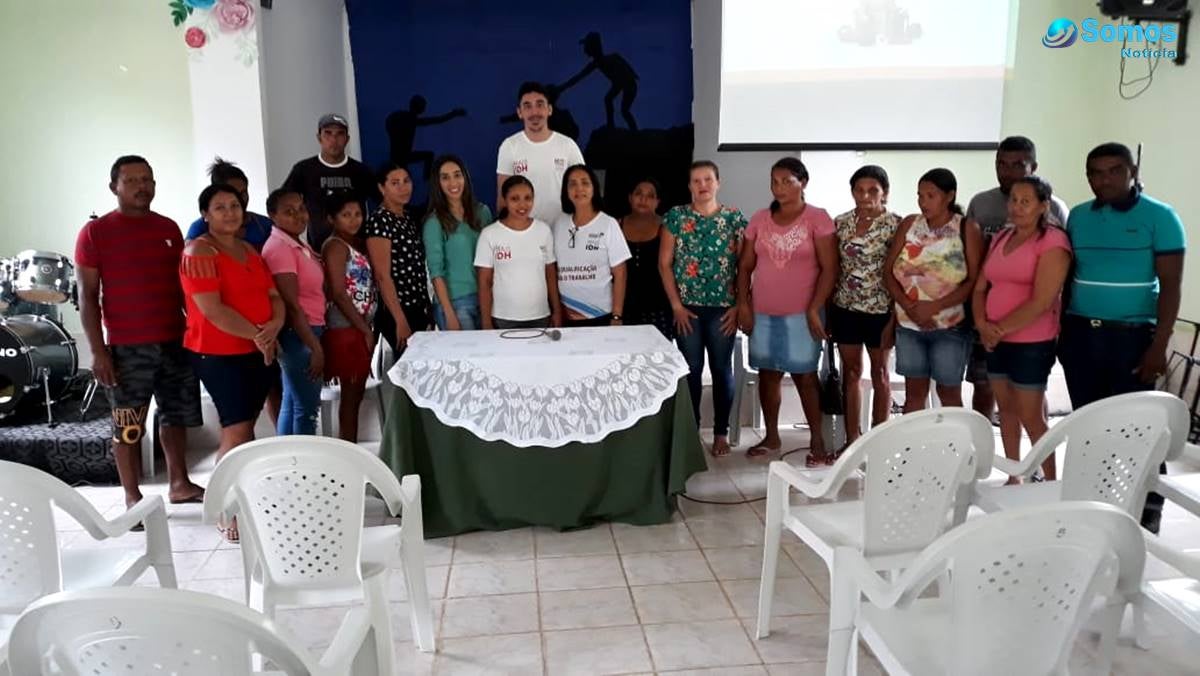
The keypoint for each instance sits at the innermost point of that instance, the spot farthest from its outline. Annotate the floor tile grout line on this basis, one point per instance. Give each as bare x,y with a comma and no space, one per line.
537,600
721,587
632,601
441,621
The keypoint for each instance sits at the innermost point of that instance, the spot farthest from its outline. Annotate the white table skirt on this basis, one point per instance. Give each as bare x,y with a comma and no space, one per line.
541,392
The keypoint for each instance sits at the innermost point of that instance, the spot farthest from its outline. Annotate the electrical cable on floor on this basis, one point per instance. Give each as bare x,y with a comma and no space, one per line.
747,501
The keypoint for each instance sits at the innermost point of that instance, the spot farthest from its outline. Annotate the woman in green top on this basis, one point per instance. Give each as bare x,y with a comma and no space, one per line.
451,232
698,261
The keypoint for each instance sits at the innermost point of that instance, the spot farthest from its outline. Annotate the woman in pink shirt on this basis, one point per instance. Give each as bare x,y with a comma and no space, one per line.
786,273
1017,303
300,278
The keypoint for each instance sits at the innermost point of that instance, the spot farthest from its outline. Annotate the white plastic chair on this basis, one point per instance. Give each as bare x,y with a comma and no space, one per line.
1182,489
1179,596
300,503
140,631
31,563
745,379
920,470
1020,585
1114,448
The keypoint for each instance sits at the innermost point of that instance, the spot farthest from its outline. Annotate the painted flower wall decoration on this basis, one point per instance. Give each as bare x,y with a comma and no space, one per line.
205,19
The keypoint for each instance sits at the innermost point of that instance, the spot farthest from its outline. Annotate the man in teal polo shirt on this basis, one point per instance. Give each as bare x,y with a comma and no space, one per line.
1128,250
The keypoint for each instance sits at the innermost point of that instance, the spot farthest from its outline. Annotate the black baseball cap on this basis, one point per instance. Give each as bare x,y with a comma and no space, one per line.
330,119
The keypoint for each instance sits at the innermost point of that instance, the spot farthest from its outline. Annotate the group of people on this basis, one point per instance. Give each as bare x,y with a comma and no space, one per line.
265,309
994,294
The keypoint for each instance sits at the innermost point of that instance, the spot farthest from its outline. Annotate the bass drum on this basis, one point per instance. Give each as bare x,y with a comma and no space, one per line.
30,346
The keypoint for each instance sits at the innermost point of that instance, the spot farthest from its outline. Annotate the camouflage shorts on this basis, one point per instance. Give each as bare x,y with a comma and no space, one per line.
159,370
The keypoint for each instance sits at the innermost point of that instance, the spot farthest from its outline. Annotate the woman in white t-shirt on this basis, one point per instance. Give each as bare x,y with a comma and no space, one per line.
591,253
518,281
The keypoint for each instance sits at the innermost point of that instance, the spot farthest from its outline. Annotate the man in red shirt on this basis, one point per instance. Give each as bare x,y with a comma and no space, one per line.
127,264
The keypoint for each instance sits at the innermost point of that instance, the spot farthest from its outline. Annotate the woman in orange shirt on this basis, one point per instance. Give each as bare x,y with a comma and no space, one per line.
234,315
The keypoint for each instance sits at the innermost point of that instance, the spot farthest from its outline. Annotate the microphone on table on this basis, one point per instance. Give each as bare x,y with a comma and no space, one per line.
554,334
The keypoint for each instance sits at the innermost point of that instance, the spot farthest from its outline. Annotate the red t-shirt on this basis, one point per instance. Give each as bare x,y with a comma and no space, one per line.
244,287
138,262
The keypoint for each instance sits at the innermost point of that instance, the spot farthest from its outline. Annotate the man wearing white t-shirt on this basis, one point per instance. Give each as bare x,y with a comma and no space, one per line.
537,153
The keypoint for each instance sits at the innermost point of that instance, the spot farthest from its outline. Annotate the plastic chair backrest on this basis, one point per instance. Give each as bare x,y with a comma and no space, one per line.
300,503
148,630
1022,582
30,566
1114,445
917,468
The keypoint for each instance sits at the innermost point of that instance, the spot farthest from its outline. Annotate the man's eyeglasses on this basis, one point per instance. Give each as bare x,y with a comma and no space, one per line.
571,238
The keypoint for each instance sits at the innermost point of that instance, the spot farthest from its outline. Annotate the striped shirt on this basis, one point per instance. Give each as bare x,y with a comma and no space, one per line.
138,261
1115,278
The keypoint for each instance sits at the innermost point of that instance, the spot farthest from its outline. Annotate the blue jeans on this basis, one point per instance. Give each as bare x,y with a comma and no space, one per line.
465,308
940,354
706,337
301,394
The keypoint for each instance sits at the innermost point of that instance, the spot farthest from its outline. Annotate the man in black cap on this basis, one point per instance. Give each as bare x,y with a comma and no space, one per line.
329,172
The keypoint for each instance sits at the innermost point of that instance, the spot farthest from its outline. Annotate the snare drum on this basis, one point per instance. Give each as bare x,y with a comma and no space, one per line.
43,277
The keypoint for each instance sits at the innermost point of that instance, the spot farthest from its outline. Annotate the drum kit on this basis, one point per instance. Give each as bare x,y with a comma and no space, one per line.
36,352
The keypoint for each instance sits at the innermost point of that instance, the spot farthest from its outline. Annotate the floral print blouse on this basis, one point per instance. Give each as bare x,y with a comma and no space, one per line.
932,264
860,284
706,254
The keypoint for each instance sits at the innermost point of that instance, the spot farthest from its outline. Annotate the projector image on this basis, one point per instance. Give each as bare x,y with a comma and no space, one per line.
880,21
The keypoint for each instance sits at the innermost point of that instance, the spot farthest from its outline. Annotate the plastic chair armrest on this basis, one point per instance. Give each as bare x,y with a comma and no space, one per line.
149,510
1185,562
877,591
1190,452
828,485
339,656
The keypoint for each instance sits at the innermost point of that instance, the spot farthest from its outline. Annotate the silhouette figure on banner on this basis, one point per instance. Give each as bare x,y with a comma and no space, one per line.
561,120
402,126
622,156
618,71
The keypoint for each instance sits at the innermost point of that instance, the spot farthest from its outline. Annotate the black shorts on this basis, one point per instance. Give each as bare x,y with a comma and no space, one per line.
850,327
1026,366
237,383
159,370
977,365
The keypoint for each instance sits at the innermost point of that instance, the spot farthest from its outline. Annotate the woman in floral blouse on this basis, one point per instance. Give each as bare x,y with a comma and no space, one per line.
862,309
698,259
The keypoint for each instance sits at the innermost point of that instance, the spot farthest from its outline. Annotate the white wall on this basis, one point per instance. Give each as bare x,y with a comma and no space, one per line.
227,108
303,65
85,82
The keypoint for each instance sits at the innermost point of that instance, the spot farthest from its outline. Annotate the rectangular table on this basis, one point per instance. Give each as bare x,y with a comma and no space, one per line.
514,431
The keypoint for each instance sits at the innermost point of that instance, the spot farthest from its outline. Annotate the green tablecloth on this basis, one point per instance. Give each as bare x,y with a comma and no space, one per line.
467,484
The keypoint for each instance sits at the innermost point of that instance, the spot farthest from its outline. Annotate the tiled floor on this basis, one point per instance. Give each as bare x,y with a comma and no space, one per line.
677,598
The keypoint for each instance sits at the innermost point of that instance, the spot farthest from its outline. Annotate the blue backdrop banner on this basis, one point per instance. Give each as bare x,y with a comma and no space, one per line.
442,77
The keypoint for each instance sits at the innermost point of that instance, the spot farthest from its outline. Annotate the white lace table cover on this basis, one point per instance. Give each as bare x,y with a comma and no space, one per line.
539,392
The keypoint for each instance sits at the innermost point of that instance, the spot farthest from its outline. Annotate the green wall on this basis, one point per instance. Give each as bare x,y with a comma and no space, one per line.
84,82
